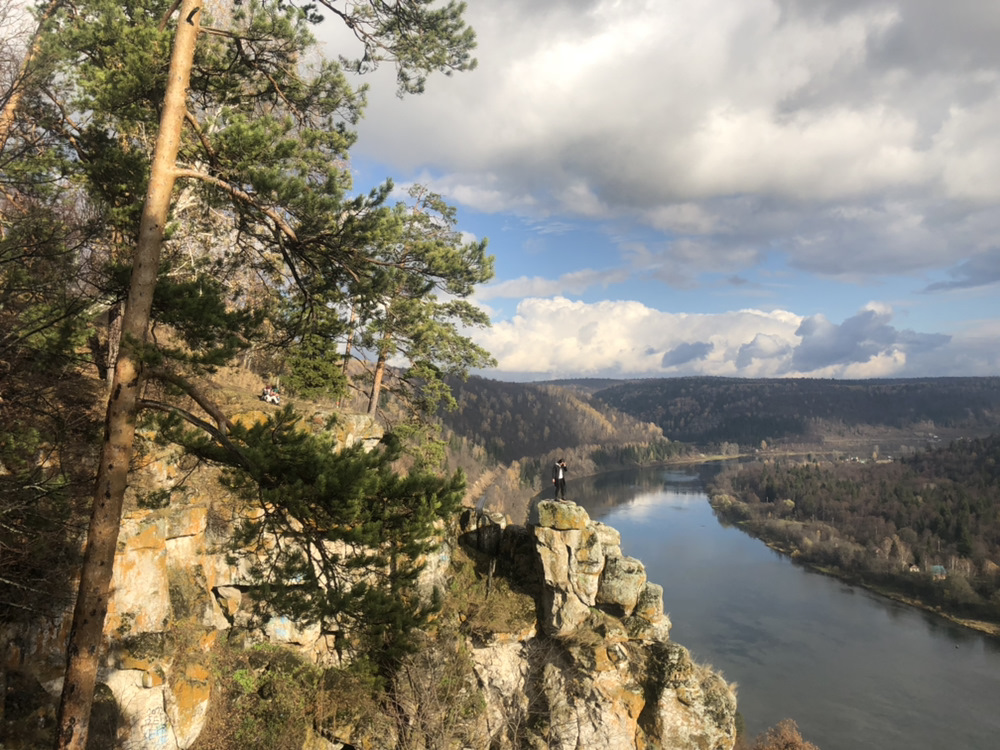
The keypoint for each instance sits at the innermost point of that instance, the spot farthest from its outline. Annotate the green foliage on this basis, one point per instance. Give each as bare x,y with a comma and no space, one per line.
39,310
263,223
418,36
205,329
262,164
420,254
315,369
875,521
262,217
197,312
350,535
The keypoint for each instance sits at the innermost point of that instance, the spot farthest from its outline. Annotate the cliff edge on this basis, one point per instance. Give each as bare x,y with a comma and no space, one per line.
601,670
588,663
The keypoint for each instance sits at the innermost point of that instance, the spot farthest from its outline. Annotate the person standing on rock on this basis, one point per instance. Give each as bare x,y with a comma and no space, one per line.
559,480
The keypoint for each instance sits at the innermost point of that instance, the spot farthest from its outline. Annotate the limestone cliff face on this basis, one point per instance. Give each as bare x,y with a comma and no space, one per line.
598,670
602,669
175,592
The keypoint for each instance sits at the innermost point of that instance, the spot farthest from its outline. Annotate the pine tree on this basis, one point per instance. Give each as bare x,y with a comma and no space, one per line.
255,139
338,537
404,318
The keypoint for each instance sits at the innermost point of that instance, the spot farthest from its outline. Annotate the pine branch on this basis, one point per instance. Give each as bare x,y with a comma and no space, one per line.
201,424
242,196
198,396
166,16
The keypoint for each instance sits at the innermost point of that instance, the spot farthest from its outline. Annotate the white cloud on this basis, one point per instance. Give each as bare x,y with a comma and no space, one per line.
969,151
575,282
549,338
684,218
833,131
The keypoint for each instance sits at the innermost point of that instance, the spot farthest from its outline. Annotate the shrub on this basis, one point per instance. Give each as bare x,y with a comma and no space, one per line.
263,698
784,735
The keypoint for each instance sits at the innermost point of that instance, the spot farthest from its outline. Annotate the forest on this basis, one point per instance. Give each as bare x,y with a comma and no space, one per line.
519,420
705,410
178,225
925,526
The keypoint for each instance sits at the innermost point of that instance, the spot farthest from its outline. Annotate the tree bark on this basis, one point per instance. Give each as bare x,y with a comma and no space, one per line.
86,635
17,91
377,384
350,337
114,338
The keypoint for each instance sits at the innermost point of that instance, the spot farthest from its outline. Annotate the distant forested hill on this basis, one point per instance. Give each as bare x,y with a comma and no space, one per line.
705,410
889,523
517,420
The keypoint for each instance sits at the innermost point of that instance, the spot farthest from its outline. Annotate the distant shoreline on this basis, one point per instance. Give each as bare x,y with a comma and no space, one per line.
985,627
982,626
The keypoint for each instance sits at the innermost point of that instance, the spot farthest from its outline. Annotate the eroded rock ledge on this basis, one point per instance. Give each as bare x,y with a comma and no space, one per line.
595,669
603,669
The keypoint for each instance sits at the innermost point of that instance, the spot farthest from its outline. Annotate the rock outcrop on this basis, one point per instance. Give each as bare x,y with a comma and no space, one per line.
175,591
597,670
602,672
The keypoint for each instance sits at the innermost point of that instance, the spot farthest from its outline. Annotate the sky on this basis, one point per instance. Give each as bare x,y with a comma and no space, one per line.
749,188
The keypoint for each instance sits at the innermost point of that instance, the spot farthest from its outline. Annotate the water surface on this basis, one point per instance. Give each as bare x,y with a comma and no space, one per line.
853,669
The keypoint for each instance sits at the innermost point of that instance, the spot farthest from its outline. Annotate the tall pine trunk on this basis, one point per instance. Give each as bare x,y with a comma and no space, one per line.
23,74
377,383
86,636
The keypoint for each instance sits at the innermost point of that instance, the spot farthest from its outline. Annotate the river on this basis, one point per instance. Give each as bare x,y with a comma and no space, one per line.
854,670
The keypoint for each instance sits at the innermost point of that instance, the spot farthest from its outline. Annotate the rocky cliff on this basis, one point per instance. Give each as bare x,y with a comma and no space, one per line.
595,668
601,663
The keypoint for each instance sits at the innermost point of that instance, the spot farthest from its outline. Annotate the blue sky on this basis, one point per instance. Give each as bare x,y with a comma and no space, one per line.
758,188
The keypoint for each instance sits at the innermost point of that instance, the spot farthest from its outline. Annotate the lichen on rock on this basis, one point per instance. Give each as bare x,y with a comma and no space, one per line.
584,660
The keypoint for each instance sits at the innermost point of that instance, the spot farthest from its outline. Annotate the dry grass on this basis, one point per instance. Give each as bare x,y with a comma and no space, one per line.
485,605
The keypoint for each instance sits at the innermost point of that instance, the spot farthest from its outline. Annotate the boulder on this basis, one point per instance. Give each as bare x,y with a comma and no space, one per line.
557,515
187,697
610,538
145,721
622,582
650,604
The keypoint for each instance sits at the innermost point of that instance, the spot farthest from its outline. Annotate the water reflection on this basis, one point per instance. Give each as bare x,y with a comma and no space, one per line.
855,670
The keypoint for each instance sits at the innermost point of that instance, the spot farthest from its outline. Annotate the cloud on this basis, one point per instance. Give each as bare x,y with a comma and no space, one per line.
685,353
983,270
862,339
557,337
762,348
575,282
854,137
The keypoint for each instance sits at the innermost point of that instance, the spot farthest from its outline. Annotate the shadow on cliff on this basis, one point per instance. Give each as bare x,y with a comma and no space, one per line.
506,575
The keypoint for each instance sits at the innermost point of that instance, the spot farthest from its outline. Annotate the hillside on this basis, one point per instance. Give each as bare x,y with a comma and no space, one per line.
517,420
926,527
545,635
846,415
